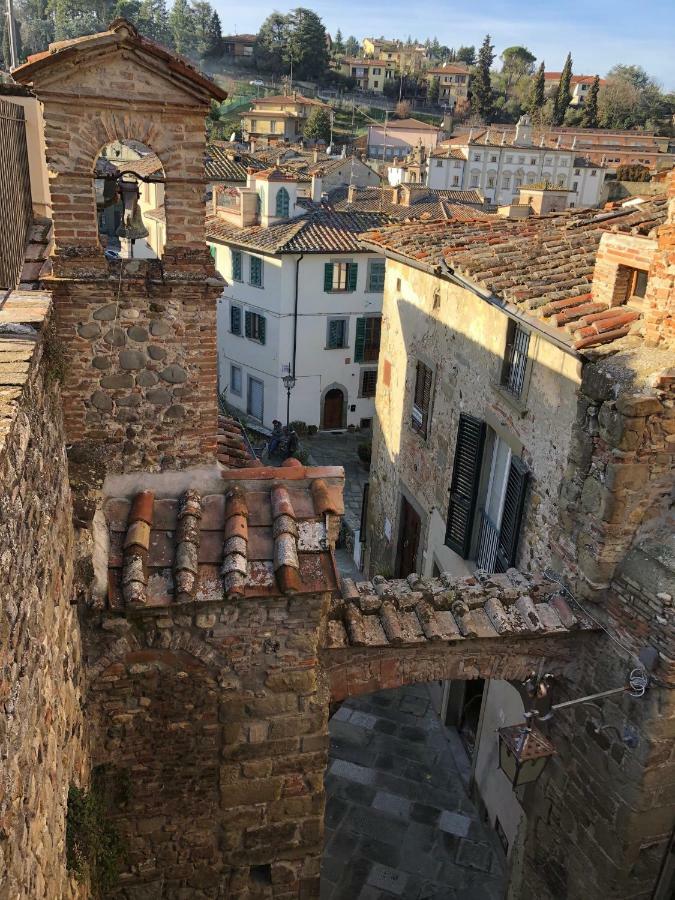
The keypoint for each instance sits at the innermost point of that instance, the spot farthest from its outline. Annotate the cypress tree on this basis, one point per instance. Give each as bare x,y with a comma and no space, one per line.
482,97
590,116
537,96
564,93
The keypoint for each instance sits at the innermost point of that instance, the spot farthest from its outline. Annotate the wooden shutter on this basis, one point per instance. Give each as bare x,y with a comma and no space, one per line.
422,398
512,516
328,277
464,484
352,271
360,340
336,333
261,329
248,320
235,320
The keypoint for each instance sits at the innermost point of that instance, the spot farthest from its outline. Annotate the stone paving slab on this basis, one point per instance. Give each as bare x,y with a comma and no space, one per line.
399,823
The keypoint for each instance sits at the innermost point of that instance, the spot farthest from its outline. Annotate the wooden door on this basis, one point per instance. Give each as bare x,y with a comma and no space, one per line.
408,540
332,408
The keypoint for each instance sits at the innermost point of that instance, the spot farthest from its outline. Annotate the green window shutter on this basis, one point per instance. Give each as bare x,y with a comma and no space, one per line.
247,324
328,277
351,276
360,340
464,484
235,320
512,516
376,276
212,250
261,329
334,334
236,265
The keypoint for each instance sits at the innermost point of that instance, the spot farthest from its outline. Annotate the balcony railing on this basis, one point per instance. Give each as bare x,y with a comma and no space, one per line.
488,540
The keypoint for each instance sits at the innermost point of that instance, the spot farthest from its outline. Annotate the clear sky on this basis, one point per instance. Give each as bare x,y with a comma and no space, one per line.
599,33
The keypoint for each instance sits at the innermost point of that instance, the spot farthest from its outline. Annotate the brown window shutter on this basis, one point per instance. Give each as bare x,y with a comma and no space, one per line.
512,517
464,484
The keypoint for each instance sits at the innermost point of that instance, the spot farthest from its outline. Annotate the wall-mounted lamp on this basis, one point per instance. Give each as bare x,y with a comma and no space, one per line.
523,753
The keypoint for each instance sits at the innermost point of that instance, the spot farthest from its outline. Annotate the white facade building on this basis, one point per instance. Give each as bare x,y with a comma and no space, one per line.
498,165
304,297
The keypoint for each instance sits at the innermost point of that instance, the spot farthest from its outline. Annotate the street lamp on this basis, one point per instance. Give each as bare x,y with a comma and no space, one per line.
523,753
289,384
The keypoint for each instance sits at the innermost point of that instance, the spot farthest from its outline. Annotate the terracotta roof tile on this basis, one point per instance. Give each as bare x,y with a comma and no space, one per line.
233,450
424,203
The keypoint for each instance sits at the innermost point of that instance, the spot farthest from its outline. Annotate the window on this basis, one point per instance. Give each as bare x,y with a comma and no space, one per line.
235,319
561,180
439,163
339,277
255,327
235,380
577,171
368,382
236,265
476,157
493,158
457,164
515,358
376,84
336,337
636,282
594,172
506,182
254,124
505,478
455,180
282,203
376,275
491,181
421,399
474,181
518,182
563,163
548,161
256,272
367,344
509,158
273,126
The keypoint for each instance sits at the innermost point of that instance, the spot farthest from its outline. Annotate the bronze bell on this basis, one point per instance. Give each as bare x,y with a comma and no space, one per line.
132,227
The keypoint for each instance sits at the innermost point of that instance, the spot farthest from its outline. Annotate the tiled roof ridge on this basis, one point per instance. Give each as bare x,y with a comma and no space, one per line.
136,546
416,611
235,543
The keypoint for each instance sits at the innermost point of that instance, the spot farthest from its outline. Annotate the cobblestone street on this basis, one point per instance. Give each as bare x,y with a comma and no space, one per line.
340,449
398,820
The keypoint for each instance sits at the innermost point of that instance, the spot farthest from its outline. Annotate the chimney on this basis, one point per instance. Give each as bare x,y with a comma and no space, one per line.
315,155
396,194
251,145
316,188
405,194
250,178
248,208
351,193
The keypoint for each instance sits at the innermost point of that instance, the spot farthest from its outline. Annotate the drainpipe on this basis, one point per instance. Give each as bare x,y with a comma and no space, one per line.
295,313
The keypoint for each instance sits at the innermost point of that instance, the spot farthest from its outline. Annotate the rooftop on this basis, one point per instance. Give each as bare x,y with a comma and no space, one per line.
423,202
410,124
288,99
225,163
261,533
541,266
233,449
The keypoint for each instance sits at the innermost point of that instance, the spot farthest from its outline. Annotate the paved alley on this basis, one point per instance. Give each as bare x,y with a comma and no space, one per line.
398,819
329,448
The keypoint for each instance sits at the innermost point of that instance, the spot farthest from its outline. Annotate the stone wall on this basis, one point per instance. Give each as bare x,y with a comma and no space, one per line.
42,737
141,378
660,299
216,723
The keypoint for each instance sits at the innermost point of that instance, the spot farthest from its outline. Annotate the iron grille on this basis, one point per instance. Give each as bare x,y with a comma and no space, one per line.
15,196
488,540
516,361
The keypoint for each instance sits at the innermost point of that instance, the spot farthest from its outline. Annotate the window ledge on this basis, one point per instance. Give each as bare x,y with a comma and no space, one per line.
336,348
514,402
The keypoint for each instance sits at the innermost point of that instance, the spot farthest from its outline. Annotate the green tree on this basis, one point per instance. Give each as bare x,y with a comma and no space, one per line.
338,44
537,96
589,117
634,172
153,21
564,93
352,46
516,63
35,25
208,37
73,18
317,126
467,55
182,26
618,104
271,44
127,9
482,97
308,45
434,90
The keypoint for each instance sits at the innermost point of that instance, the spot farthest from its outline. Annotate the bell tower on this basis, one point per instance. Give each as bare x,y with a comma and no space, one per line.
137,335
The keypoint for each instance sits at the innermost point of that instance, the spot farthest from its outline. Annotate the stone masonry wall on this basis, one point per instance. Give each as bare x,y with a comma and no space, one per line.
216,725
141,373
42,738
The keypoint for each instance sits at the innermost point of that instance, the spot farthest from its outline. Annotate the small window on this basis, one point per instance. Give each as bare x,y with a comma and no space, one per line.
255,327
636,283
561,180
476,156
236,266
235,319
367,345
506,182
577,171
283,201
368,382
493,158
515,359
366,425
340,277
421,399
256,272
439,163
254,124
455,180
376,275
337,334
594,172
575,186
533,160
491,181
235,380
474,181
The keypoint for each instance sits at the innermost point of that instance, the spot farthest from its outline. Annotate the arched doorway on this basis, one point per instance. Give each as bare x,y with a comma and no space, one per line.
333,408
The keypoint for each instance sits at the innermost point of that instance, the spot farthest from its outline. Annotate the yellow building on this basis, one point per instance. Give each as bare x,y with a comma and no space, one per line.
277,118
370,74
405,58
453,84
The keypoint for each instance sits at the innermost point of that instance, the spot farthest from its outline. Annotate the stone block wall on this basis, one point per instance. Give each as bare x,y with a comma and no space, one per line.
617,254
141,362
42,733
660,299
216,723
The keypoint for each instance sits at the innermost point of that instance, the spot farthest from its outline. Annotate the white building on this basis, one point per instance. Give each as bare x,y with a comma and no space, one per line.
498,164
304,297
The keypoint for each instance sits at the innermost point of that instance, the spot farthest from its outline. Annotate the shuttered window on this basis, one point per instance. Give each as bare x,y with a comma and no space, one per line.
421,399
339,277
236,265
515,359
337,334
368,382
368,334
283,201
255,327
376,275
512,516
256,274
235,320
464,483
